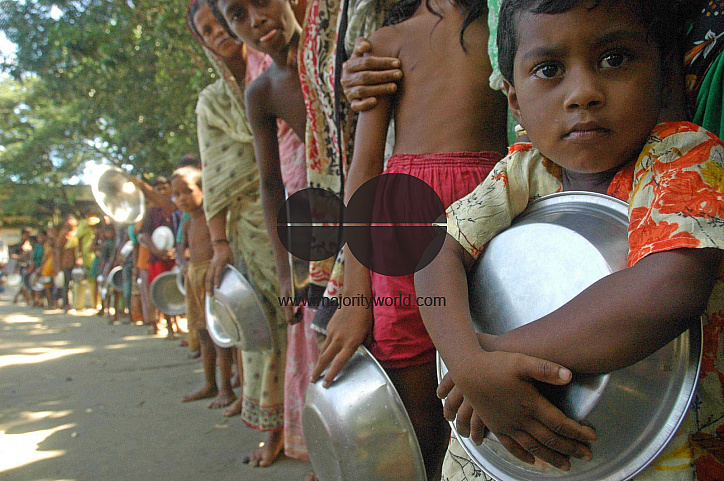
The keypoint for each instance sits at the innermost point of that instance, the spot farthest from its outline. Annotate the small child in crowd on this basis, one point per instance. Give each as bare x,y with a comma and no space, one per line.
585,79
449,132
186,188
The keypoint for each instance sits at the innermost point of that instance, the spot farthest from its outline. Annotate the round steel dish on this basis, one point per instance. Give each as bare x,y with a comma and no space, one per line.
239,312
162,238
78,274
181,282
126,250
216,332
166,296
115,278
357,429
14,279
35,283
559,246
117,196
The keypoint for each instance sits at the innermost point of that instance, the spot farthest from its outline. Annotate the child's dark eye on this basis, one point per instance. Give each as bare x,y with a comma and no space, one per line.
547,71
613,60
236,15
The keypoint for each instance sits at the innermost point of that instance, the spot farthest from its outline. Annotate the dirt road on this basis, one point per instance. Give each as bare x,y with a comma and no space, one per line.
84,400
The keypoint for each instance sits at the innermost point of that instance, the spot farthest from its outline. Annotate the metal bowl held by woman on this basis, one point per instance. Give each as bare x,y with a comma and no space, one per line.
558,247
216,332
236,314
357,429
166,296
117,196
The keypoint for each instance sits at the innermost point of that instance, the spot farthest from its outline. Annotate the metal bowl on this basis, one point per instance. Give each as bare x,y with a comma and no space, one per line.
181,281
162,237
126,250
14,279
115,278
239,312
357,429
559,246
117,196
216,332
35,283
78,274
166,296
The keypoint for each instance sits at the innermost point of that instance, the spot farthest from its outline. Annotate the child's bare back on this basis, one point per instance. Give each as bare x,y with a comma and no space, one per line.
444,88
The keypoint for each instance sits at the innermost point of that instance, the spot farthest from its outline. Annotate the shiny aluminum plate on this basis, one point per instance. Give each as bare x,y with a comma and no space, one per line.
239,312
357,429
559,246
166,296
216,332
117,196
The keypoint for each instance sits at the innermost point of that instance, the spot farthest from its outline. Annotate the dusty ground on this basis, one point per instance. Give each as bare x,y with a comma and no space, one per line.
83,400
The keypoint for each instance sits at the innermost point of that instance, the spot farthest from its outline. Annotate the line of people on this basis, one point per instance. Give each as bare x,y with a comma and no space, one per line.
445,74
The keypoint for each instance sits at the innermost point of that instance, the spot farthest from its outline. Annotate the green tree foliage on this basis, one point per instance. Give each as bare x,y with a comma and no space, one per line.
97,80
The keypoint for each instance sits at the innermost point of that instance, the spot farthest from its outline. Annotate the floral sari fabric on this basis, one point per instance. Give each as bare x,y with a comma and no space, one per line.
675,192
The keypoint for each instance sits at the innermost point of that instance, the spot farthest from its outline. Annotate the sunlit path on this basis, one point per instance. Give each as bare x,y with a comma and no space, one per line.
84,400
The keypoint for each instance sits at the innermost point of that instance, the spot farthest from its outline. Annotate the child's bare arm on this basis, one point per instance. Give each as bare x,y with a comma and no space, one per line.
624,317
271,186
491,381
349,326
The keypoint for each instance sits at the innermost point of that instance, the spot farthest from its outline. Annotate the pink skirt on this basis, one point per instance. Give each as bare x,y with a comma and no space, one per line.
400,337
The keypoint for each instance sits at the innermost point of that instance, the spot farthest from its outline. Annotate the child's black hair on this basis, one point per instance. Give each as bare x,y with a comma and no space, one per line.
471,10
664,20
190,173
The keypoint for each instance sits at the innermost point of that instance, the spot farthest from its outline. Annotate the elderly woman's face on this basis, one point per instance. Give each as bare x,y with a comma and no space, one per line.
214,35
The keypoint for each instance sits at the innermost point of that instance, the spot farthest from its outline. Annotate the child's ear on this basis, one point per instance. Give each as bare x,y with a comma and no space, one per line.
512,100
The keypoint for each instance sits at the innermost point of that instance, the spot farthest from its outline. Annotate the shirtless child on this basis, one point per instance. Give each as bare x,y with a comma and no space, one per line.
186,188
449,132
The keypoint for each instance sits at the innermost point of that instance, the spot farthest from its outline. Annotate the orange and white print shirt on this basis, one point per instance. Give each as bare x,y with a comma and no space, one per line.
675,192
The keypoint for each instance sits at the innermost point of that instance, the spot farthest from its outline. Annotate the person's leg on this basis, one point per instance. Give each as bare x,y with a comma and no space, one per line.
146,307
226,393
416,386
235,408
66,287
208,358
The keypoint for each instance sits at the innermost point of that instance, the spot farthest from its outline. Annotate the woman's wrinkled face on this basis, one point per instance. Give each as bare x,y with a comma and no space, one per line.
214,35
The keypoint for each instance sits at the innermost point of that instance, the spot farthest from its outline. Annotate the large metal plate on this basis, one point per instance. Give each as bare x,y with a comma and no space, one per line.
117,196
357,429
559,246
239,312
216,332
166,296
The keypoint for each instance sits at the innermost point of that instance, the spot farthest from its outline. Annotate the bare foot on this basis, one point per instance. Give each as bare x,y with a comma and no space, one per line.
233,410
203,393
269,451
222,400
311,477
170,336
195,354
